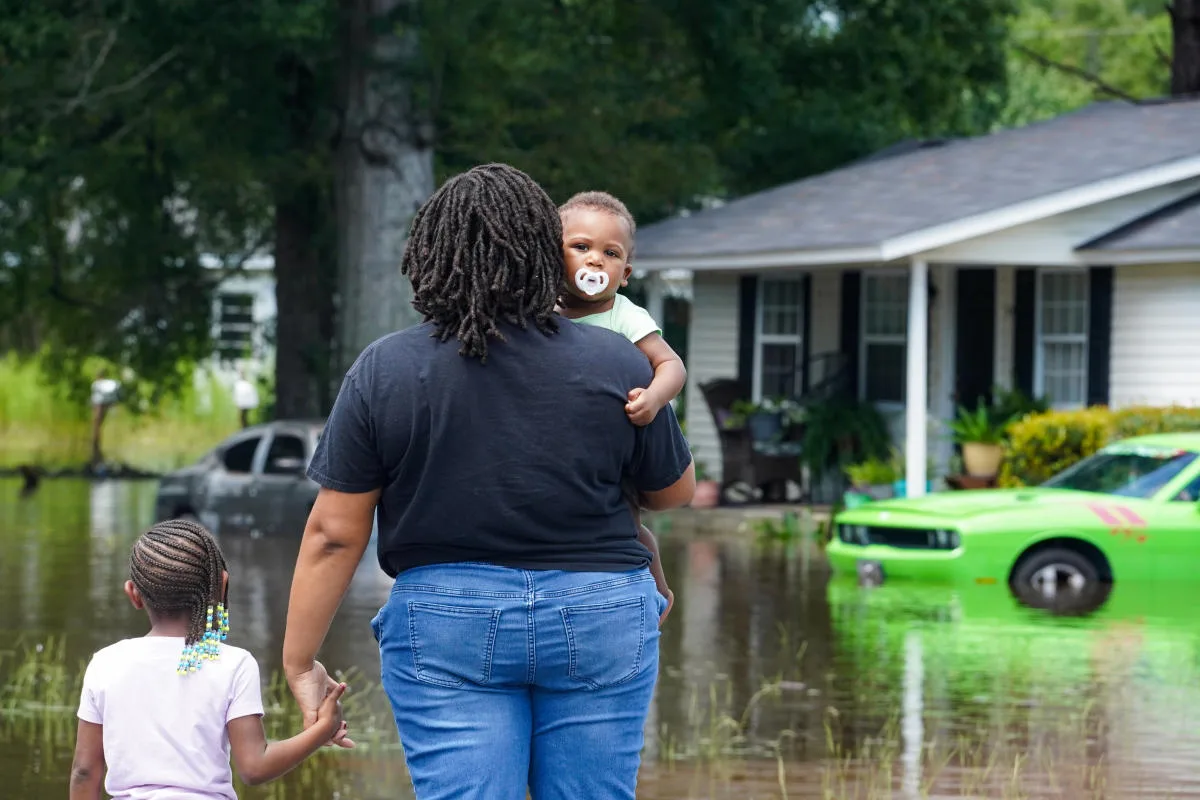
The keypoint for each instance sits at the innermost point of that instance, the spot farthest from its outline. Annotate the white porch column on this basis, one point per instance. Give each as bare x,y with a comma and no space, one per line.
917,400
655,292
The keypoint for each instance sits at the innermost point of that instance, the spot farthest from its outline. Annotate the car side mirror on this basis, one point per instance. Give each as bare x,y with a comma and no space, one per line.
288,465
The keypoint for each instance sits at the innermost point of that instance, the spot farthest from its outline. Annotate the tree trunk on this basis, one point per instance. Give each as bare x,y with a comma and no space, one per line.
384,172
1185,61
304,302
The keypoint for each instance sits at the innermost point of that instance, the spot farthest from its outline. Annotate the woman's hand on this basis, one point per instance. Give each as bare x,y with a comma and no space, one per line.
310,688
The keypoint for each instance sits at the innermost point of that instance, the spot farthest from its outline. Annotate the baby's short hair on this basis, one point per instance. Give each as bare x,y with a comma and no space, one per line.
601,201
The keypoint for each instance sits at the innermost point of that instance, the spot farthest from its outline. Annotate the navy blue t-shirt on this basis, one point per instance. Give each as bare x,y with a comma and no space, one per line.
517,462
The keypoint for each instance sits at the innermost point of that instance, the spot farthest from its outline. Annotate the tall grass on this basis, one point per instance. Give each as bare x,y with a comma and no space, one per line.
40,425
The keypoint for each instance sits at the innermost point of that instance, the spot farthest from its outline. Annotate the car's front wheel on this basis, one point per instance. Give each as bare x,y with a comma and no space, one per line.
1054,571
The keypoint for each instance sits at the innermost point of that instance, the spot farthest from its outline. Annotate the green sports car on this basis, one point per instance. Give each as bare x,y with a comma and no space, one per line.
1130,511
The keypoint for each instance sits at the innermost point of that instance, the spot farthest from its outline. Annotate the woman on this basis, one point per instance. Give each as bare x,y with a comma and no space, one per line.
519,645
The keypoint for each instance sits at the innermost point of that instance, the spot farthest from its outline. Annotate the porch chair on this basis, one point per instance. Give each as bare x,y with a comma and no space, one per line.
761,466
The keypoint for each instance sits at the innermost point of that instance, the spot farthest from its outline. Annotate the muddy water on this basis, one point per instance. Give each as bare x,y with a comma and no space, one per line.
775,680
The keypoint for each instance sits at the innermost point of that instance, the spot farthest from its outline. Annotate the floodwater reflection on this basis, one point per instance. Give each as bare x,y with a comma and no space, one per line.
775,680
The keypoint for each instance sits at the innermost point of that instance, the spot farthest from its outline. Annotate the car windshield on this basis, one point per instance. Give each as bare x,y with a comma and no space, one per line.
1126,471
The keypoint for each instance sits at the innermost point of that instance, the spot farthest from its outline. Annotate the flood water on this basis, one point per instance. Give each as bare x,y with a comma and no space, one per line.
776,682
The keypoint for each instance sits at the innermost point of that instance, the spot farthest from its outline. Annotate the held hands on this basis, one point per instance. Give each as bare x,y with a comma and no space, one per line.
329,715
642,407
312,690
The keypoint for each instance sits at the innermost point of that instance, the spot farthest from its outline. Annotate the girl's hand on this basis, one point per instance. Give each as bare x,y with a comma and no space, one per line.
311,688
329,715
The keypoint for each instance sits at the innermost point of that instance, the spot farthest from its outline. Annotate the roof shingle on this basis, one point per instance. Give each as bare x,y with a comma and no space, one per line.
878,198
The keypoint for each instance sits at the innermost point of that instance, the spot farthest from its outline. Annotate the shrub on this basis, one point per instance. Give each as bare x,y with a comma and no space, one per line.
1042,445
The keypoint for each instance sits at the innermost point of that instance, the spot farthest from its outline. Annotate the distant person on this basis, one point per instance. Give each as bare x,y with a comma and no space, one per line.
105,393
598,245
245,397
159,715
519,644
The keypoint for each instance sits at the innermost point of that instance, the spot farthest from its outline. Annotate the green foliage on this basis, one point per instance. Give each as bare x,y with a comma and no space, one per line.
1119,42
872,472
981,425
42,423
842,431
1043,445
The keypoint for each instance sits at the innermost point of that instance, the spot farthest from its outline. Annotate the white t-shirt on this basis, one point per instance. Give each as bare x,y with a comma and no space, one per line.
164,733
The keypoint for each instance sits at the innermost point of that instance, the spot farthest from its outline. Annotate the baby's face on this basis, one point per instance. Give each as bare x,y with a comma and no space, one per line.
596,243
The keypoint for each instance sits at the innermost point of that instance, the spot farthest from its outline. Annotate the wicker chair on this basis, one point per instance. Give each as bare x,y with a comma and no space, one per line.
742,461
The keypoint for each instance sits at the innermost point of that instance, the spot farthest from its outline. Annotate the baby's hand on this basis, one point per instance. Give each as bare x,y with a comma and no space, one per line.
641,408
329,716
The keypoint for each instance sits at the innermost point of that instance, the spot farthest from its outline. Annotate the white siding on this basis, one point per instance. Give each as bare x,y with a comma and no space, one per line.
712,353
1052,241
1156,335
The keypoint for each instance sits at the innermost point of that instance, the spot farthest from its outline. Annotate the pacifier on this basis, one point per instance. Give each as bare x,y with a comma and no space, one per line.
591,283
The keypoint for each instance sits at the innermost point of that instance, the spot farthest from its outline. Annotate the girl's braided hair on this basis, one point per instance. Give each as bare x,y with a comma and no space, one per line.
177,567
486,248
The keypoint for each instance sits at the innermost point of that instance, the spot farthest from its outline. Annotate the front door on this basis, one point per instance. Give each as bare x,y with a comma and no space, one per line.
975,353
283,493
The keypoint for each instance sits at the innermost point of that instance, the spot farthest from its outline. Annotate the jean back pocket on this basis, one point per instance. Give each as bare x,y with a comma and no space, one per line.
452,644
605,641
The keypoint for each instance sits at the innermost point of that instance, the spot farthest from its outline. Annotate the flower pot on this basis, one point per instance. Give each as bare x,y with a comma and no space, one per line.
900,488
764,425
708,494
982,460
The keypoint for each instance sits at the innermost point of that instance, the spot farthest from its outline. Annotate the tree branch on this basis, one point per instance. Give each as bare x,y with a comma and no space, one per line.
1069,69
132,83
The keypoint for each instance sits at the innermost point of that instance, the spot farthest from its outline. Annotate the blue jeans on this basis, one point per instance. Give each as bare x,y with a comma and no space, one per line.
502,679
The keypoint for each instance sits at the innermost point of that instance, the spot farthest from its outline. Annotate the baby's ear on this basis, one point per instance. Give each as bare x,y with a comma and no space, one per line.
628,272
134,595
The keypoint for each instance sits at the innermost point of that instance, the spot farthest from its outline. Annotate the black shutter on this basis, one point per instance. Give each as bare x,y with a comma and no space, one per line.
851,331
1024,309
747,319
1100,298
806,333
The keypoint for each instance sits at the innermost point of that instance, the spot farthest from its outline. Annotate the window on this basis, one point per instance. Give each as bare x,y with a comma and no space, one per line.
883,358
240,456
1062,325
1189,493
780,355
284,446
235,325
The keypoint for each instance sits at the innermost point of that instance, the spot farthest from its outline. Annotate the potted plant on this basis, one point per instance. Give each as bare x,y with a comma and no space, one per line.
981,435
871,479
708,491
766,419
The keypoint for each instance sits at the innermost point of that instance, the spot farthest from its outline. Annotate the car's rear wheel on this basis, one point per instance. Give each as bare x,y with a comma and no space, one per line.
1055,571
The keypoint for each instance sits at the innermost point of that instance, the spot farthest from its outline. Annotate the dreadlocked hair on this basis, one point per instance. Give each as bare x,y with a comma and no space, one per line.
486,248
178,569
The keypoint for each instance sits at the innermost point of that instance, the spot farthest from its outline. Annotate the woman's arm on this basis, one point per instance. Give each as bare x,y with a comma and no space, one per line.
259,761
337,533
88,767
676,495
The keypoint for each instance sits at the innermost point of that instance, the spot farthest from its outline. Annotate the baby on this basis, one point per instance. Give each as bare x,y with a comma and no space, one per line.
598,248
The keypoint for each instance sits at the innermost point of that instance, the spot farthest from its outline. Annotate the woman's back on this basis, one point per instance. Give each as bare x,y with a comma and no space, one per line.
517,462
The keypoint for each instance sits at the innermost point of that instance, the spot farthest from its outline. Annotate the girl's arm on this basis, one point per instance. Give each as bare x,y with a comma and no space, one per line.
259,761
670,376
87,770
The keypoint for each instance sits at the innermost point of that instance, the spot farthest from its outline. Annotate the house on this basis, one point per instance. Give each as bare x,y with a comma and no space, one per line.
1062,258
243,317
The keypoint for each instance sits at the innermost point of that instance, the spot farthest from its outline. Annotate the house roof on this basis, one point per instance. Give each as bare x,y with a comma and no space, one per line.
1175,226
916,187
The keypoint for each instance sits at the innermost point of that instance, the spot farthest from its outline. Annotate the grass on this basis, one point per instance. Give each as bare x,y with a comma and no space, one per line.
40,425
1011,751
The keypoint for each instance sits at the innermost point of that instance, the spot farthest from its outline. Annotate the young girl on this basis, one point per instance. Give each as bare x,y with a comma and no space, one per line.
159,714
598,244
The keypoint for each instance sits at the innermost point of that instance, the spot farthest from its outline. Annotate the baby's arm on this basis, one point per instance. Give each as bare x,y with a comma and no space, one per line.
259,761
669,379
87,770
